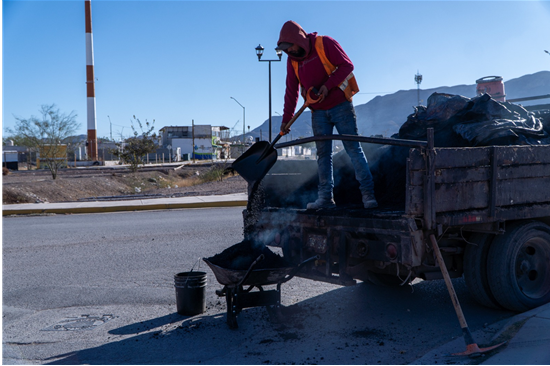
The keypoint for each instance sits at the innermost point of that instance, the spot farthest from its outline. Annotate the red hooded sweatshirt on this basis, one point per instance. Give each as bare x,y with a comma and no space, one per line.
311,71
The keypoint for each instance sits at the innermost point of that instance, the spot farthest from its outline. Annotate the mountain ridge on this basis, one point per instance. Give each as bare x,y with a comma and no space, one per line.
384,114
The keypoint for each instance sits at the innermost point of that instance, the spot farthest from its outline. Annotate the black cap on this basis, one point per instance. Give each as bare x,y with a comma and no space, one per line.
284,45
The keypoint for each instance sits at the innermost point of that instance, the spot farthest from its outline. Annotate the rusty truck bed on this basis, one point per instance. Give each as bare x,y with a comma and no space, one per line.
477,185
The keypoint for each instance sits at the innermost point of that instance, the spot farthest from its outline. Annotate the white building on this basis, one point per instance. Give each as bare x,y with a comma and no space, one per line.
201,140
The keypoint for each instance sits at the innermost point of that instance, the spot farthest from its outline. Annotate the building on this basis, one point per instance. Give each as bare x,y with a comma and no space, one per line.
10,159
204,141
295,151
50,153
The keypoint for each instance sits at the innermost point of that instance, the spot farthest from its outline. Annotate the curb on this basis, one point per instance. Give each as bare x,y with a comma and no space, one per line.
117,206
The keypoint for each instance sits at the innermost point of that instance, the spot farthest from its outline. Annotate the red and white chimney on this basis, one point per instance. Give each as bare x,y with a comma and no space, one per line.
91,142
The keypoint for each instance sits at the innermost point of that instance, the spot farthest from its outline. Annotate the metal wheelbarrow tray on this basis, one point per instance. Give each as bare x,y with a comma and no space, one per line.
238,298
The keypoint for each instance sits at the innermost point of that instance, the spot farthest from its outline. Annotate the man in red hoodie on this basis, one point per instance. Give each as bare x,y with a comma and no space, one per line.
320,62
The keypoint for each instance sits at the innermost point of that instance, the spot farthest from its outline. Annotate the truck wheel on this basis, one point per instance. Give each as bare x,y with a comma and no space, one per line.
518,270
475,269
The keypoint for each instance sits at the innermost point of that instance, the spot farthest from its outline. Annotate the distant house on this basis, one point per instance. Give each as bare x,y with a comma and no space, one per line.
204,141
48,153
15,156
294,151
10,159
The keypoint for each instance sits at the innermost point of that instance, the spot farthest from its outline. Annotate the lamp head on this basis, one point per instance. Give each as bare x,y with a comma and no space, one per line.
259,51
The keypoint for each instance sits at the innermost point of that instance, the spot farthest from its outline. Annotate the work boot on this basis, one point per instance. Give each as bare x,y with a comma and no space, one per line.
321,203
369,201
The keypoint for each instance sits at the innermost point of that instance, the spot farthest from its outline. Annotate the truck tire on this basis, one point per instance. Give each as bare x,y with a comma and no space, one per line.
518,270
475,269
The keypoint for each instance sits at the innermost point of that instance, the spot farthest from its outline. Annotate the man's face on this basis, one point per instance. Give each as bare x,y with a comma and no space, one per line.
296,51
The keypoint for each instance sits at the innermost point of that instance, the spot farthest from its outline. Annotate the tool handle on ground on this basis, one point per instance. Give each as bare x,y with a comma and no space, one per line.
448,283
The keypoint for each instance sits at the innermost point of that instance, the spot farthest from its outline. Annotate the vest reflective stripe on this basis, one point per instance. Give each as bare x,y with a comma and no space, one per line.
348,86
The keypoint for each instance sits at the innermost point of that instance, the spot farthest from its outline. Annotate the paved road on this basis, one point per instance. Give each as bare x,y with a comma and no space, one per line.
117,269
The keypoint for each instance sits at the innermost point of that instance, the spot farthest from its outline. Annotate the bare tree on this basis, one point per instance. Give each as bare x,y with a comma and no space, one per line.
133,150
47,135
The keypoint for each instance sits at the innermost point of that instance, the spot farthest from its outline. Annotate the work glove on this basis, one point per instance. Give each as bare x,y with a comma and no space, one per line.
284,129
323,93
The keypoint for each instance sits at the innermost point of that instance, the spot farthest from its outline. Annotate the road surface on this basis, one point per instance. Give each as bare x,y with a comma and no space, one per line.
99,289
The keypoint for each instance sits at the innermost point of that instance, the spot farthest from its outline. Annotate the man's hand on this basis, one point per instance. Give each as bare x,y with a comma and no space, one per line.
323,93
284,128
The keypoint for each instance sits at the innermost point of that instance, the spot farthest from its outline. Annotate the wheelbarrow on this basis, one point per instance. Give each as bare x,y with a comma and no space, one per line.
238,297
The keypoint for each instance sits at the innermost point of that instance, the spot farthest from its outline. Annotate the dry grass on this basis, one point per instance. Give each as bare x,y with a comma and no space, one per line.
195,180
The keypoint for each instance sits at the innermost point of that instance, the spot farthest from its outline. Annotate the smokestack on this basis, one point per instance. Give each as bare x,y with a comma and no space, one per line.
91,142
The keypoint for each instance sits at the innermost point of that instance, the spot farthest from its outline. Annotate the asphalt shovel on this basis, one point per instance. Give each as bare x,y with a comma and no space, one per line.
255,162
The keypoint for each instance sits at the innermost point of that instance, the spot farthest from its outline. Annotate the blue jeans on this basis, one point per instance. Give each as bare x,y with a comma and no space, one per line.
343,118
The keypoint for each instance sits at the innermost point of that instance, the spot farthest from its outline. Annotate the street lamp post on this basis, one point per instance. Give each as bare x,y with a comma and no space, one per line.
259,53
244,115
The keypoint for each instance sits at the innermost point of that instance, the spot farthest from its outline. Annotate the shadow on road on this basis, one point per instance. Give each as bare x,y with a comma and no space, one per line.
363,324
148,325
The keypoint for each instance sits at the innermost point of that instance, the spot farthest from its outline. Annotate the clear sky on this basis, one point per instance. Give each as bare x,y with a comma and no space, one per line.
177,61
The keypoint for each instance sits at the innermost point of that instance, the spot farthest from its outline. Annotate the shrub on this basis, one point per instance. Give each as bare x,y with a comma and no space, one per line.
215,173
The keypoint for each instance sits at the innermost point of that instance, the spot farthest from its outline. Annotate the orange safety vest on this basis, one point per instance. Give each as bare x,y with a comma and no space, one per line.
348,86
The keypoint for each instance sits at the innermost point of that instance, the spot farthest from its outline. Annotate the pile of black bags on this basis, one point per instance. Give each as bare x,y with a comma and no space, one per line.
481,121
457,122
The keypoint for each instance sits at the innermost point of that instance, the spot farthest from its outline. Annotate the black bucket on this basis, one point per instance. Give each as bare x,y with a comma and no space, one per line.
190,292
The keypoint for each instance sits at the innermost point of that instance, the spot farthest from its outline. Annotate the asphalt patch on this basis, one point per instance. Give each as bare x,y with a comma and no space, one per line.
83,322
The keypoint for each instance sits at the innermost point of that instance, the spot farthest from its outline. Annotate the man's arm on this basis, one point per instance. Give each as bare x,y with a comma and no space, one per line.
291,95
336,55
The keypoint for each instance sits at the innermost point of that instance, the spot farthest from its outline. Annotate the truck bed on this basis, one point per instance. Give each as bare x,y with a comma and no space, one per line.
472,185
482,184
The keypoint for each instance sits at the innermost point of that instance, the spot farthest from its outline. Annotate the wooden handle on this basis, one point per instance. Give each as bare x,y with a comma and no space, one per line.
308,102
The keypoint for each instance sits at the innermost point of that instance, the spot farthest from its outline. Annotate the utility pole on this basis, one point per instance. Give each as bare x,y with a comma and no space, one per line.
193,135
244,117
110,127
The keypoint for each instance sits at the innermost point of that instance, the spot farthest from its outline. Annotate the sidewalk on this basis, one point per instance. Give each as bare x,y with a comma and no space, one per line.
531,344
527,337
229,200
